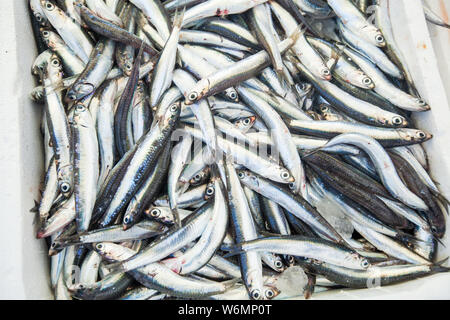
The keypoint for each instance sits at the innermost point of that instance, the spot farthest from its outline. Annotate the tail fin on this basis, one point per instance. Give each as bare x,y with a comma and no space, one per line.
438,266
35,209
233,250
231,283
178,19
312,151
115,268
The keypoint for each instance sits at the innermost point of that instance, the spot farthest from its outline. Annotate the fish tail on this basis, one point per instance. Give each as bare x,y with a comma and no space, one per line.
115,268
178,18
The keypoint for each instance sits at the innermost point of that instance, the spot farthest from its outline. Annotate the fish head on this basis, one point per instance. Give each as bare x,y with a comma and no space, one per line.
53,13
325,74
41,62
232,94
245,124
379,39
198,91
396,121
51,39
171,115
367,83
125,61
270,292
79,90
210,190
160,214
82,116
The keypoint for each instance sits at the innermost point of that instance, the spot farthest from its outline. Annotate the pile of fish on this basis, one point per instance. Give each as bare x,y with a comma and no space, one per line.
202,148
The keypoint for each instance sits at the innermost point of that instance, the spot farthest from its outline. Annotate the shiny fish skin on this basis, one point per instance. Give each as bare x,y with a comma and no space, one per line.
356,22
143,158
388,137
387,90
72,63
60,134
170,242
163,73
95,72
86,167
242,70
213,8
304,246
105,129
206,149
70,32
384,166
112,31
282,139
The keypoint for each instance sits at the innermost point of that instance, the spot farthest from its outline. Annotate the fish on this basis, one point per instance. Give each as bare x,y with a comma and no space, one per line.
204,149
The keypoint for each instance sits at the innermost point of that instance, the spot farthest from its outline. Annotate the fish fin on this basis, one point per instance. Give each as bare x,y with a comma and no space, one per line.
69,240
444,201
115,267
35,209
178,18
404,237
438,240
441,262
440,24
232,250
312,151
297,33
438,266
230,283
176,216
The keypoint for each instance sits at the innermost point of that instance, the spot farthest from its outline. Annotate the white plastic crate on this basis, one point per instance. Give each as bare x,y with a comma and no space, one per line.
24,267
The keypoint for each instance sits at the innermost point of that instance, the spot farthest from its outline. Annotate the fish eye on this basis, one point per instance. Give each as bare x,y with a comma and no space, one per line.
324,108
367,81
291,186
72,97
278,264
38,17
53,244
364,263
64,187
55,62
233,95
80,107
99,246
193,96
433,229
49,6
126,220
241,175
421,102
397,121
246,121
421,135
285,175
174,107
326,72
155,213
269,293
209,191
128,66
255,294
46,33
379,38
197,178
